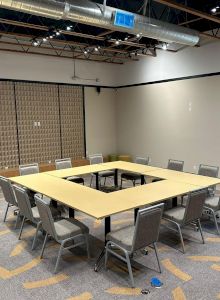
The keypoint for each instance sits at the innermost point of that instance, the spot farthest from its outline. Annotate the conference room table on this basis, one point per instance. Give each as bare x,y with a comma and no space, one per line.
101,205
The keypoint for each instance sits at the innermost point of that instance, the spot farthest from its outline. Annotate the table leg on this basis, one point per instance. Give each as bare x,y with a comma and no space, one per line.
142,180
116,178
101,256
137,209
135,214
71,212
174,202
97,180
54,203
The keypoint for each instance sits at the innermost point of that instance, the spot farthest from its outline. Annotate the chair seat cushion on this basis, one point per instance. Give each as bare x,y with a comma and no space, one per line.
212,202
122,237
67,228
106,173
130,176
75,179
176,214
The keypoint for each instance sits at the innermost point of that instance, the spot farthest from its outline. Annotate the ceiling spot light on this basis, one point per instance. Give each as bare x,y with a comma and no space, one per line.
57,33
164,46
214,10
69,27
96,49
45,39
51,36
36,43
117,42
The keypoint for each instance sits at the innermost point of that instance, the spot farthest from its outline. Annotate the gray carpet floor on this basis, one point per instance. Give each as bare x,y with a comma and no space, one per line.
194,275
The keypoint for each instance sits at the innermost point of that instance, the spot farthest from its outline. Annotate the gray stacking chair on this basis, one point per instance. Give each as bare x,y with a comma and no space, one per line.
182,216
134,176
65,163
29,169
176,165
26,211
98,159
212,202
63,231
9,196
133,238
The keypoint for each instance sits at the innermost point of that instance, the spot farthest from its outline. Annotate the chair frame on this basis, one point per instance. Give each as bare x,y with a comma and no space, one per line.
98,155
24,218
211,192
61,242
68,160
147,159
28,166
10,199
174,161
129,254
181,224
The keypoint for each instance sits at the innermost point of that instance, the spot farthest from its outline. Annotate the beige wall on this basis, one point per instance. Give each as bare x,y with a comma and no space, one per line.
100,116
179,120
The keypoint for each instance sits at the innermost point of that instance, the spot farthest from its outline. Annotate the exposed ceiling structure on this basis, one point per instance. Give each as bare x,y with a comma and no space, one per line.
81,33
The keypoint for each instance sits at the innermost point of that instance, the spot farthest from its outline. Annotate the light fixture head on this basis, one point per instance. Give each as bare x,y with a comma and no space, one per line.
96,49
164,46
36,43
45,39
51,36
117,42
68,28
214,10
57,33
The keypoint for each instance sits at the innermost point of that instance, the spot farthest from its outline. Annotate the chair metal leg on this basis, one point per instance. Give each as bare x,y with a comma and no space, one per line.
181,237
87,245
121,184
200,229
129,269
215,221
104,181
133,182
106,256
58,258
35,237
91,180
158,260
17,219
6,212
44,244
22,225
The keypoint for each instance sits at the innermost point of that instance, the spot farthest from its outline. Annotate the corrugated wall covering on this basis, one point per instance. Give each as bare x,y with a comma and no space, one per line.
40,122
72,127
8,130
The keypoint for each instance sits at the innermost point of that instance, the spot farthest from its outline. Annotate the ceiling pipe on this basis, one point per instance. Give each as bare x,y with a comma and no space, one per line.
87,12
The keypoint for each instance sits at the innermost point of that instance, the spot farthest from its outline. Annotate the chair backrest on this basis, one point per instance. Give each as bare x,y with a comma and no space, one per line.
206,170
29,169
23,202
63,163
7,191
147,226
211,171
194,206
176,165
45,216
95,159
142,160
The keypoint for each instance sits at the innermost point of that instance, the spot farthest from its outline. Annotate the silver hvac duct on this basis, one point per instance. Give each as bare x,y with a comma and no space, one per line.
87,12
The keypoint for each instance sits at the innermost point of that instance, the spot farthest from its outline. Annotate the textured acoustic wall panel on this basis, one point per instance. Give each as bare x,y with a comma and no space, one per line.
38,122
72,121
8,129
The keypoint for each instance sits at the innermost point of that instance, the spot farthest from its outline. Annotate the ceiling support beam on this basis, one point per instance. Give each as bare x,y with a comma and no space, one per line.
189,10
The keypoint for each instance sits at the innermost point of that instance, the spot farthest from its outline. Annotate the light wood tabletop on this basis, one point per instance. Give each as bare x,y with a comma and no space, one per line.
98,204
121,165
203,181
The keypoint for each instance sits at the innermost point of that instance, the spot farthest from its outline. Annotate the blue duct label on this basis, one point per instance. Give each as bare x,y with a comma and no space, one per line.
125,20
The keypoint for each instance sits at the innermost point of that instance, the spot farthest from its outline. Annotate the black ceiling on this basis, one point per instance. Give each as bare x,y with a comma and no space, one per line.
154,10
